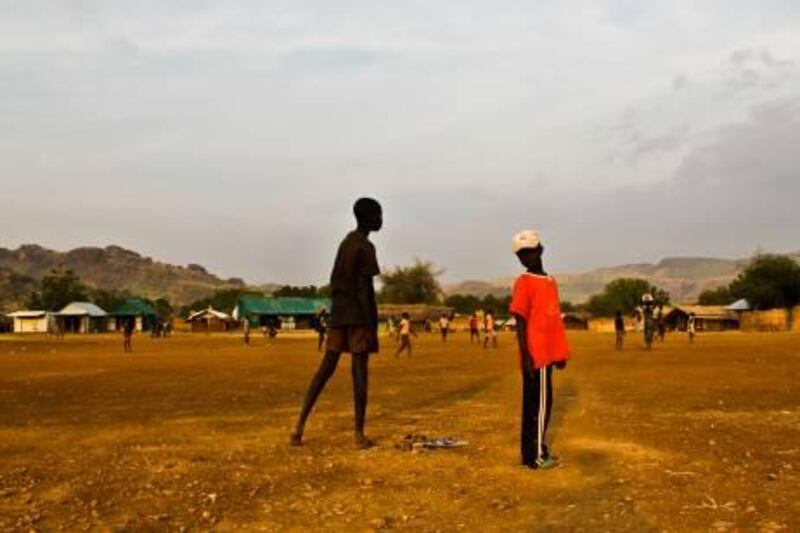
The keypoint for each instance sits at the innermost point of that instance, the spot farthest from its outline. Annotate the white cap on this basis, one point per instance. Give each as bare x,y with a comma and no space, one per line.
528,238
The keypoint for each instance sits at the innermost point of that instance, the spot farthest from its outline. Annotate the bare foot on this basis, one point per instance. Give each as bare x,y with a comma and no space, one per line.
296,439
363,443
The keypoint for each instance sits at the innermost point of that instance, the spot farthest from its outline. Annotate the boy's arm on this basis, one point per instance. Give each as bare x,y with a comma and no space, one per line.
522,341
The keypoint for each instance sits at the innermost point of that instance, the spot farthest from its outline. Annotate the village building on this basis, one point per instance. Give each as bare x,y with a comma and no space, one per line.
284,312
82,317
134,310
707,318
210,320
32,321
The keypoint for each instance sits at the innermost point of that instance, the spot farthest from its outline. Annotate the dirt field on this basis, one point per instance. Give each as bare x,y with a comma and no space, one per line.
190,433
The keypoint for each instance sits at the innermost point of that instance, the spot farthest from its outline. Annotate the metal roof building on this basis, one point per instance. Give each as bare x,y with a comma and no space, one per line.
261,310
82,317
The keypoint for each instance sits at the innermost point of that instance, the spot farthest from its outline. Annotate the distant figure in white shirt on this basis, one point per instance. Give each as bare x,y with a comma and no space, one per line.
490,333
444,327
405,335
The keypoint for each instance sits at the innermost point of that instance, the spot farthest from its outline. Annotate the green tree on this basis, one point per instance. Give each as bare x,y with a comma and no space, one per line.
163,308
464,304
110,300
769,282
568,307
311,291
57,289
497,304
718,296
416,284
624,295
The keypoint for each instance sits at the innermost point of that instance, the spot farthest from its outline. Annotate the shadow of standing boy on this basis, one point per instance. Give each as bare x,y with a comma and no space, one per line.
353,322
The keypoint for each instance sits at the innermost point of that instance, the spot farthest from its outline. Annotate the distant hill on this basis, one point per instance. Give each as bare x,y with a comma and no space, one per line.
684,277
112,267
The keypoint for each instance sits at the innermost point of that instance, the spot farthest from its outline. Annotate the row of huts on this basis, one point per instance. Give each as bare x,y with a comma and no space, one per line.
85,317
302,313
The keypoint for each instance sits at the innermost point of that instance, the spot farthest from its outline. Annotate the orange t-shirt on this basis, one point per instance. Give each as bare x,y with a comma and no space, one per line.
535,298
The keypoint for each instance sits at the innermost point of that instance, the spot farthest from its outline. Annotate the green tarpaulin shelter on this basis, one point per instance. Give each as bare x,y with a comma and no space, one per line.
260,309
137,310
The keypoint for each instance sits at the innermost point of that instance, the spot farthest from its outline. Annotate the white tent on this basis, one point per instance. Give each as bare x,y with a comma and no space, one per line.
739,305
32,321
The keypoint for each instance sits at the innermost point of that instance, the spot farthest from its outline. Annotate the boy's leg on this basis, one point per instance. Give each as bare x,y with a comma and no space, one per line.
360,382
548,407
400,348
324,373
528,428
542,411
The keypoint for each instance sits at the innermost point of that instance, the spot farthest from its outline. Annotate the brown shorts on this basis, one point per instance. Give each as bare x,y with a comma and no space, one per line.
352,339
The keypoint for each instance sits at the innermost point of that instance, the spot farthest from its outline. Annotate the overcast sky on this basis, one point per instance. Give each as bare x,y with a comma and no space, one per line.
238,134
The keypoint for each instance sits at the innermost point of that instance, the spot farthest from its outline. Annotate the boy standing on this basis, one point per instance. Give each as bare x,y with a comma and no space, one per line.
474,332
542,345
489,333
353,324
405,335
691,327
444,327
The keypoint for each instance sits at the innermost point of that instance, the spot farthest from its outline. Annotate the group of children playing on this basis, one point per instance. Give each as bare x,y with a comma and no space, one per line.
654,327
353,327
405,330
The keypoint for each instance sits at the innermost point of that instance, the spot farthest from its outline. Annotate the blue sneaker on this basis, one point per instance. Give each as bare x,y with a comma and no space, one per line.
546,463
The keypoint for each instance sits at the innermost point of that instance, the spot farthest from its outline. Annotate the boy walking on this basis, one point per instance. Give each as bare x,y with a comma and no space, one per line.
405,335
542,345
322,328
127,336
353,323
619,329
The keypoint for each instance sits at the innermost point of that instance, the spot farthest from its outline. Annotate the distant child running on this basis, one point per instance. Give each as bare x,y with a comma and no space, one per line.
489,327
474,331
619,329
353,324
542,345
405,335
691,327
246,331
444,327
127,336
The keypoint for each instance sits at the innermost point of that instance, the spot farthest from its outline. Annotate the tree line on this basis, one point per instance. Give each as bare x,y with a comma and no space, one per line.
767,282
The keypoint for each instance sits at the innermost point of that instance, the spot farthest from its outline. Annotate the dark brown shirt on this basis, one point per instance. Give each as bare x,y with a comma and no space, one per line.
352,289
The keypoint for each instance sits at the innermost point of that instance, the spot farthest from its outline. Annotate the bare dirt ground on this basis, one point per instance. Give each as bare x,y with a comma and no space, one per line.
190,433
